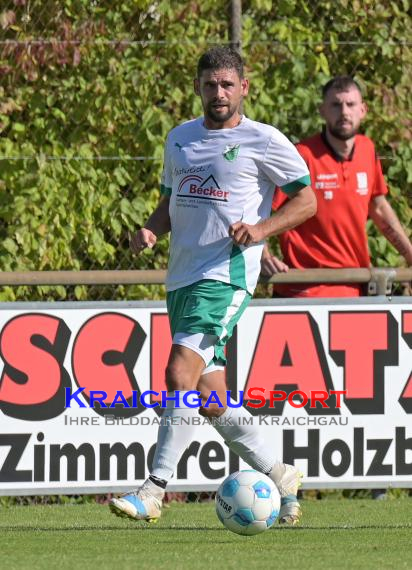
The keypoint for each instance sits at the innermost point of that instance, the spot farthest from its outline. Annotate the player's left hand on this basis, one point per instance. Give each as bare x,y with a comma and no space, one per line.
271,265
245,234
407,289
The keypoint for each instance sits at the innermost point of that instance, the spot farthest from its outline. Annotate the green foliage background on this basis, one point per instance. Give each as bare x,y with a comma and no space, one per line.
83,93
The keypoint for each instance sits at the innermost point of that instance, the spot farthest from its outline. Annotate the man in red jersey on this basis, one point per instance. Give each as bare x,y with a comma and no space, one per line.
348,181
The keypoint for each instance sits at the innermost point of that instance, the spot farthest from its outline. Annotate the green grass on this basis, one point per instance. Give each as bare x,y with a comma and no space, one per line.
355,534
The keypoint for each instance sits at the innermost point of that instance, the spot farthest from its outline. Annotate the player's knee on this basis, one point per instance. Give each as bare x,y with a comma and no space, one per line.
212,395
178,376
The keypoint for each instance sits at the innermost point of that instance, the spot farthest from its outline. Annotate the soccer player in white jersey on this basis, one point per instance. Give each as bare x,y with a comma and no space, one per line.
219,174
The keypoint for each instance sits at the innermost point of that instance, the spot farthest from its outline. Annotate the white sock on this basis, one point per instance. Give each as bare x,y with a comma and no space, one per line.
172,440
246,440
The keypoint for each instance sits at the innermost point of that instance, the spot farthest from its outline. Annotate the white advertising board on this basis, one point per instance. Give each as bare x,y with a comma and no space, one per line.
49,351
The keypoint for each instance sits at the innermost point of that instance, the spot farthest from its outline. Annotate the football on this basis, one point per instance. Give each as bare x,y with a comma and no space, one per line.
247,502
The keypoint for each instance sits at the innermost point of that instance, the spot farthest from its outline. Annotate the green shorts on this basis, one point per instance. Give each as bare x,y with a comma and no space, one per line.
209,307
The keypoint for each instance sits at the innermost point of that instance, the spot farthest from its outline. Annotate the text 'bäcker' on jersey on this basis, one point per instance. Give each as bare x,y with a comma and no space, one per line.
203,188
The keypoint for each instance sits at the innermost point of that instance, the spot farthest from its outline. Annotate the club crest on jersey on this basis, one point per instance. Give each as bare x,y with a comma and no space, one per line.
204,188
231,151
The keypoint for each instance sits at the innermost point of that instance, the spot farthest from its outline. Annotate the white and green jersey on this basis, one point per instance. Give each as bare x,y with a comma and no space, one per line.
215,178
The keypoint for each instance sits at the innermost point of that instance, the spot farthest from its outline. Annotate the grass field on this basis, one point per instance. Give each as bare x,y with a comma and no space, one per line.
356,534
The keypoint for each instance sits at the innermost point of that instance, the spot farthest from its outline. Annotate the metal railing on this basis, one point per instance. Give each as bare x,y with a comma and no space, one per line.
379,279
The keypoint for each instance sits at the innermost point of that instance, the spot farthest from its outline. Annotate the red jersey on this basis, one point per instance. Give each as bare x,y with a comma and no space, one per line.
336,236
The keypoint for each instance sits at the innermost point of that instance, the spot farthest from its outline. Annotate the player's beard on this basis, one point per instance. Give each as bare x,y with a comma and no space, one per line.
341,133
220,117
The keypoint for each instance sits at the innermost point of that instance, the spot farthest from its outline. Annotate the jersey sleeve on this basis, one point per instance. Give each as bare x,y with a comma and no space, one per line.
284,166
166,180
379,188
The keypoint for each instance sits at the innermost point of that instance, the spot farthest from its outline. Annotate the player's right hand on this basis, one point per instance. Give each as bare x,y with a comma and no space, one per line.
141,239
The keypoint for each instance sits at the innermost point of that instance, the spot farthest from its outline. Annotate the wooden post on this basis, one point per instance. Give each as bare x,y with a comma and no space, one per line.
236,25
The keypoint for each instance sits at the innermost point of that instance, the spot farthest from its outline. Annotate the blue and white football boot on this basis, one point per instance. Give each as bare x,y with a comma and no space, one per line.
144,503
287,479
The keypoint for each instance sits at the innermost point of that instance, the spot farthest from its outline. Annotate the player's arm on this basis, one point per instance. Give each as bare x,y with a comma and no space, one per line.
385,218
300,207
157,225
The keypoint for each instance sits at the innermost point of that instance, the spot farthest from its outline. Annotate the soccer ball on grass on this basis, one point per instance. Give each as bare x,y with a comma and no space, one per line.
247,502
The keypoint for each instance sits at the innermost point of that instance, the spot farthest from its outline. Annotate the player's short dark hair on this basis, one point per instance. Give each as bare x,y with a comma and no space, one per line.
220,57
340,83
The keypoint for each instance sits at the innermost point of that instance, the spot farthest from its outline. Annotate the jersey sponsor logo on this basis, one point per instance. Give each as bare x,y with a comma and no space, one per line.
190,170
205,189
362,180
326,176
326,185
231,152
327,182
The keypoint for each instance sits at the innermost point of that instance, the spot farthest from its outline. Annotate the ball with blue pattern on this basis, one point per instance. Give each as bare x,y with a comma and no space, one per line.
247,502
